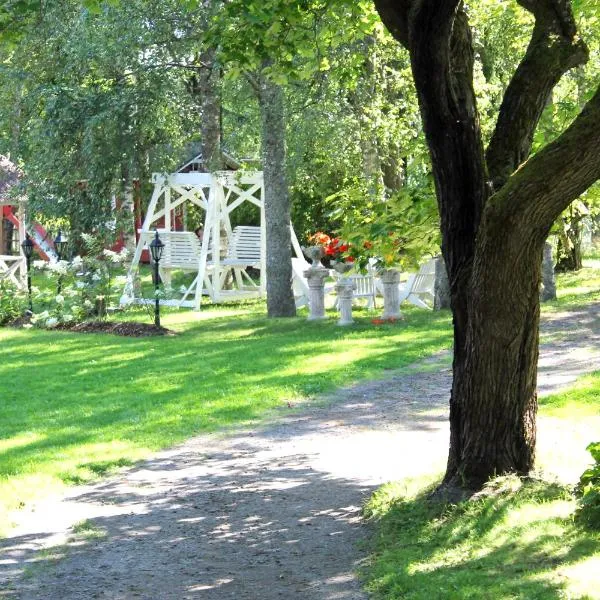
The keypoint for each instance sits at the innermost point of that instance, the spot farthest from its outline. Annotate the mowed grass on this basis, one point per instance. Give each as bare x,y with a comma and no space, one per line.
578,402
518,540
577,288
75,406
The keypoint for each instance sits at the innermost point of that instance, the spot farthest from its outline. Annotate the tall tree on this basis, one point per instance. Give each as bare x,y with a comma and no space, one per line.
280,298
496,206
273,43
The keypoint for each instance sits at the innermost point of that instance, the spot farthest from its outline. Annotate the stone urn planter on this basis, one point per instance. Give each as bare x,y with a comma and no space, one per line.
341,267
390,278
314,254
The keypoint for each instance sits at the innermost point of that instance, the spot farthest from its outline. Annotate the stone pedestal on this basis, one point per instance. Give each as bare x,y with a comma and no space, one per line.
390,278
316,292
344,289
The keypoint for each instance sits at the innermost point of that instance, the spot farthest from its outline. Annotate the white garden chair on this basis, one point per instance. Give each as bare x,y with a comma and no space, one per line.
363,287
419,289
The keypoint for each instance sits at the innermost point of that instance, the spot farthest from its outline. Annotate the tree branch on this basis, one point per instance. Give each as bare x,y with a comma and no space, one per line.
554,49
555,176
394,15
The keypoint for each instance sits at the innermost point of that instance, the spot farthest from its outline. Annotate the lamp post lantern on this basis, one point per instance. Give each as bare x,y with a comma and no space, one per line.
156,251
27,247
60,247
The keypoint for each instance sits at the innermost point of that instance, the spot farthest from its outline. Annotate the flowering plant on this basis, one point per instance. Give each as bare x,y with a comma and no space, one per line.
12,302
334,249
87,285
387,232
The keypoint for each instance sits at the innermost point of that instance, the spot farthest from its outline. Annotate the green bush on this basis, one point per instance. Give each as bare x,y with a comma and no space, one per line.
589,489
12,302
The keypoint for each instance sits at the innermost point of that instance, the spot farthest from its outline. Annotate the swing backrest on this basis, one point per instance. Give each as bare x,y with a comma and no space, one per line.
182,249
244,246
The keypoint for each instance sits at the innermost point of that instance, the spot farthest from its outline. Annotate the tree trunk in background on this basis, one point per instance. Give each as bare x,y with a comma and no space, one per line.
442,296
495,218
127,209
548,291
568,250
360,101
280,297
209,89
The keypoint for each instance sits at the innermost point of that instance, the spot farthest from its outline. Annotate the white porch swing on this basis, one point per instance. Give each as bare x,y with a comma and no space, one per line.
223,250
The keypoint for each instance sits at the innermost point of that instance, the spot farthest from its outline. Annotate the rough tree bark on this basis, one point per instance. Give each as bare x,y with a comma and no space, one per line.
496,208
206,85
280,297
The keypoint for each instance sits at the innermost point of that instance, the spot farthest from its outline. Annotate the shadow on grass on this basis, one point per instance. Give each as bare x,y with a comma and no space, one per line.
495,547
150,393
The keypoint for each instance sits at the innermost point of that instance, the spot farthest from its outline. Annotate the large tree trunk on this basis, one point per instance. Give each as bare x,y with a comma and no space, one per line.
494,218
280,297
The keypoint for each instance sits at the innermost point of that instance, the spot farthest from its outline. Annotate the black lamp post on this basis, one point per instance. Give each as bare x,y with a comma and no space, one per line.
27,247
156,250
60,246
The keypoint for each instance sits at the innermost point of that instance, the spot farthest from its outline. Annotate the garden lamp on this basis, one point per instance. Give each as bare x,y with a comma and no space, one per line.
156,247
156,250
27,247
60,247
60,244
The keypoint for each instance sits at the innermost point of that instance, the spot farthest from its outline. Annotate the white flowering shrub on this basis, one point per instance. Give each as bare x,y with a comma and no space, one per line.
81,289
13,302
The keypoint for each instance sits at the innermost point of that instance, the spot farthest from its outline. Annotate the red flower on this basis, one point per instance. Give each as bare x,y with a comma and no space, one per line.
320,238
368,245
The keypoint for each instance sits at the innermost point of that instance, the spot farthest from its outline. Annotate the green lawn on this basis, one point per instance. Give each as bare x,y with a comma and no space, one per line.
517,541
578,288
74,406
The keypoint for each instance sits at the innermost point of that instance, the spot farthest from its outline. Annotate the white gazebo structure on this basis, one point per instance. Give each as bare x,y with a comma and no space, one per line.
220,256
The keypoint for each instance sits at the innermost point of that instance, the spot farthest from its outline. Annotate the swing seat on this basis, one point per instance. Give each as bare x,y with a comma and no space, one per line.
244,248
181,249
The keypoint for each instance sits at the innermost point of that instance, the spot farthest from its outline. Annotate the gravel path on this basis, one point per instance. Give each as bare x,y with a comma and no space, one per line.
273,512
